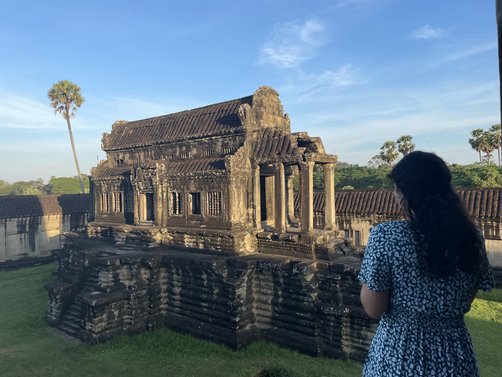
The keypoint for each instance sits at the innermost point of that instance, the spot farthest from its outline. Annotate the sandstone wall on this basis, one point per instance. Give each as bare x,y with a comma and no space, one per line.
36,236
306,305
363,225
31,226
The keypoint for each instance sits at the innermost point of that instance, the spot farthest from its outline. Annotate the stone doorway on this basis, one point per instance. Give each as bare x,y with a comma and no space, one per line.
267,189
147,209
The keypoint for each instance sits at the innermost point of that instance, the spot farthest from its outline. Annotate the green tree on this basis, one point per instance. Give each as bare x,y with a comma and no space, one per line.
65,185
496,139
387,155
488,145
405,144
362,177
476,141
65,99
35,187
476,176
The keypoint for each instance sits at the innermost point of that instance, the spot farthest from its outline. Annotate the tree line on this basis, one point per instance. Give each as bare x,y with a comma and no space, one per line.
55,186
484,174
349,176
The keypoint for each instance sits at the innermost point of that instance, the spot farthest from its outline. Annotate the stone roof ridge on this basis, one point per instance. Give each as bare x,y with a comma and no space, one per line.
480,203
211,120
12,207
245,99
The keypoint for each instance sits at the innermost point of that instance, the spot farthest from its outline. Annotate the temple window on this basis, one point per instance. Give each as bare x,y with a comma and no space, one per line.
117,202
105,202
214,203
119,161
177,203
128,200
195,203
357,238
208,152
227,150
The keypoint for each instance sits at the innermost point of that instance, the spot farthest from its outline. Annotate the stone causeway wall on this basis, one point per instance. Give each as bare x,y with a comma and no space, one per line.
311,306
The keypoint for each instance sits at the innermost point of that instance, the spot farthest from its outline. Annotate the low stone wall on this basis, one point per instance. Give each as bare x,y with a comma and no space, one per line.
307,305
31,227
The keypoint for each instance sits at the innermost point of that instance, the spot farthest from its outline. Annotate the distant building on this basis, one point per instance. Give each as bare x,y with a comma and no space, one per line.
357,211
32,226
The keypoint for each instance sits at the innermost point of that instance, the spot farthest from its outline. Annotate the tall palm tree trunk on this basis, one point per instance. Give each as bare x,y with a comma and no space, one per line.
82,190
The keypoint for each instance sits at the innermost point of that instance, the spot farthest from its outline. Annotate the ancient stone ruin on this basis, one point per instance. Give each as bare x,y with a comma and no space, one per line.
194,227
311,306
219,177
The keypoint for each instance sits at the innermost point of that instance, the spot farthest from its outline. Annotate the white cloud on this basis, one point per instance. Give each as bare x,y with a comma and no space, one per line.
308,85
292,43
439,118
427,32
25,113
468,52
348,6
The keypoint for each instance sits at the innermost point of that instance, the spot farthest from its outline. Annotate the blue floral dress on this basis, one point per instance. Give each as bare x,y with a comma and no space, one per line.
423,332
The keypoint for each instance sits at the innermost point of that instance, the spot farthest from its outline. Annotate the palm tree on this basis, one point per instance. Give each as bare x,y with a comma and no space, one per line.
487,145
65,98
496,139
476,141
405,144
388,152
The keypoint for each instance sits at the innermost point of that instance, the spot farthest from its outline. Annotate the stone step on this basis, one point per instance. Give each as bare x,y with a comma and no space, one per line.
69,328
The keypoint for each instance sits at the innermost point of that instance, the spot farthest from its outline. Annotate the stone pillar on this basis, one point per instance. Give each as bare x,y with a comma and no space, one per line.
270,199
290,178
329,197
135,198
257,197
307,195
280,198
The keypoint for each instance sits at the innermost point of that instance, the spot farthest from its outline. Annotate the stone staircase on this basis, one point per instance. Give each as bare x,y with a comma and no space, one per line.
72,319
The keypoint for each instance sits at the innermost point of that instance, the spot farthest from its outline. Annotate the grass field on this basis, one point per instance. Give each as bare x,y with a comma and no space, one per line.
29,347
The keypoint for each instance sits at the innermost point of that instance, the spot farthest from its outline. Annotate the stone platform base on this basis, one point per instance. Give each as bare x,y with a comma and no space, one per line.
312,306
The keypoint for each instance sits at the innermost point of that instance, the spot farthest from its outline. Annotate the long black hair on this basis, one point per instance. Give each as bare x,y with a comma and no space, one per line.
446,237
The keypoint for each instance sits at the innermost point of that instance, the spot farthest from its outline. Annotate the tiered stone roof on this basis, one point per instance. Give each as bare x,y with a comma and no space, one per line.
212,120
272,143
189,166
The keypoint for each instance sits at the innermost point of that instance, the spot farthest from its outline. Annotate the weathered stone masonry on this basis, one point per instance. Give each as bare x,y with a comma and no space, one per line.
312,306
217,179
31,227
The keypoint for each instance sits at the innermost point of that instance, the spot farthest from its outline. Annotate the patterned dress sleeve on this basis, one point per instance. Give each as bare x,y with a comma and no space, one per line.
486,280
375,270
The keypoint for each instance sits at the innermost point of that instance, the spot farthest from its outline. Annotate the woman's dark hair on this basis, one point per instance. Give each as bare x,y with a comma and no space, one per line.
447,238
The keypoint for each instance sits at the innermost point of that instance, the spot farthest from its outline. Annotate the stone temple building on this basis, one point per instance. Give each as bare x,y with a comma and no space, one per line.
219,177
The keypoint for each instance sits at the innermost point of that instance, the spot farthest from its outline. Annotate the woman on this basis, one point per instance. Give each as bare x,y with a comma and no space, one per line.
420,276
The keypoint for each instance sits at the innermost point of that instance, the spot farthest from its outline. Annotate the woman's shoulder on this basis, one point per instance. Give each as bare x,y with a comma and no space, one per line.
392,226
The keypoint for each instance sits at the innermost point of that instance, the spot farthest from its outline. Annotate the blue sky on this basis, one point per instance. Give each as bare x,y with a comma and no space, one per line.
354,72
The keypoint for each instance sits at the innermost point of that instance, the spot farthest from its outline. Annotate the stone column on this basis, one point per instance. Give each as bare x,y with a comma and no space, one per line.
307,195
135,198
257,197
290,194
329,197
280,198
270,199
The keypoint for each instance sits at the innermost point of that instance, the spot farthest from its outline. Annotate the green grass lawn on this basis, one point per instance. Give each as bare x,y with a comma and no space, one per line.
29,347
